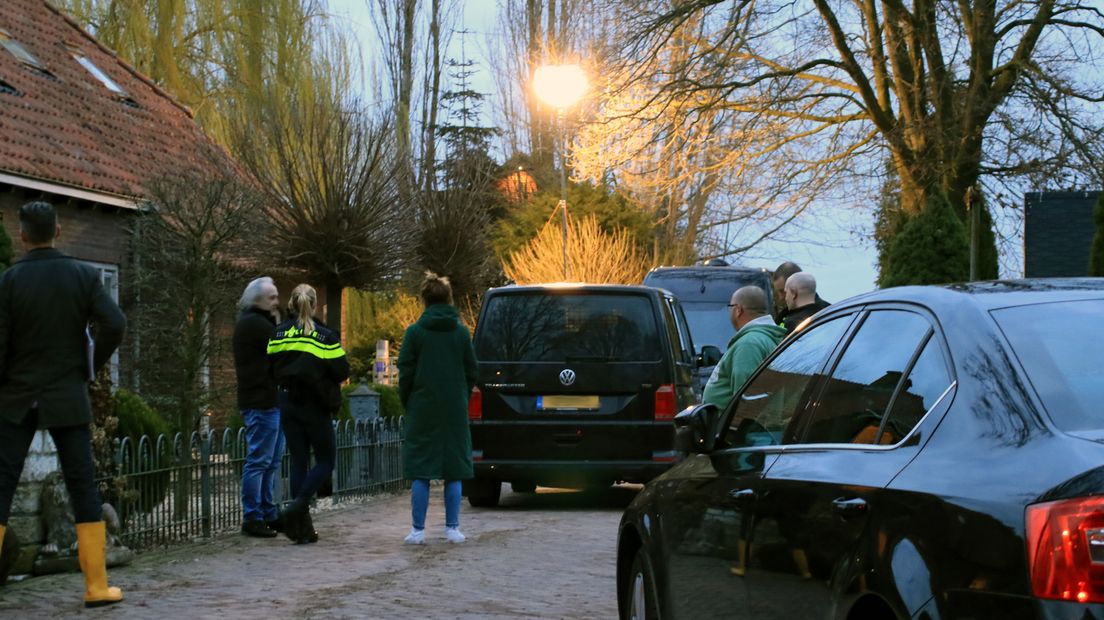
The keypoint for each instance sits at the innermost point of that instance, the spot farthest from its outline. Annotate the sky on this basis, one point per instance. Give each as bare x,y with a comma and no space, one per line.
834,246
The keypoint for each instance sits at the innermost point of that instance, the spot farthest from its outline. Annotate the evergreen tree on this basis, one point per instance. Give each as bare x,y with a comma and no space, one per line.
931,248
1096,254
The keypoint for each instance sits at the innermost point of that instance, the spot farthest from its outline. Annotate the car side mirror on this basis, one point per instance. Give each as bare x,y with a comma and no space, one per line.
693,429
709,356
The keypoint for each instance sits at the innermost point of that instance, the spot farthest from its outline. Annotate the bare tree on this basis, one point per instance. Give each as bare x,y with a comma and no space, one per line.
954,92
332,180
186,255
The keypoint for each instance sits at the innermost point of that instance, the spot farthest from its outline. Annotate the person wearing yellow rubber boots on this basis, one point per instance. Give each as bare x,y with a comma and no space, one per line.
58,326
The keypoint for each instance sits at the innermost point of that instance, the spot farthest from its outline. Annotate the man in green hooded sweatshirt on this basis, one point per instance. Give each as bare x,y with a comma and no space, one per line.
756,336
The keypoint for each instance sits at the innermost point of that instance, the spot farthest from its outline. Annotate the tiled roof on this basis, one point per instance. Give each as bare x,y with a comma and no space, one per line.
69,128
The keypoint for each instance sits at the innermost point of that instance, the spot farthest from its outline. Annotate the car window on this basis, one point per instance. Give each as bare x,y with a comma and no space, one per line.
540,327
855,398
927,381
681,349
682,341
772,399
1061,346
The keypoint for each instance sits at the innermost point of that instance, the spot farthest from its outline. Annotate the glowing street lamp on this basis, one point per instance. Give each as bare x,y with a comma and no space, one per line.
561,86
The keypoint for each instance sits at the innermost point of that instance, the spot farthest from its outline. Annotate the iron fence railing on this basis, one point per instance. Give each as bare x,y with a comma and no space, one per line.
188,487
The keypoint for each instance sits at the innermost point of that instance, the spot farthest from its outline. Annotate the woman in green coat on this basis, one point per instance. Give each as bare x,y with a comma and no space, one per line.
436,375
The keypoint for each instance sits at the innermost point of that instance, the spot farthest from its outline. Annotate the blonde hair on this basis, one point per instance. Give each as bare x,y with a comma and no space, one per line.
303,301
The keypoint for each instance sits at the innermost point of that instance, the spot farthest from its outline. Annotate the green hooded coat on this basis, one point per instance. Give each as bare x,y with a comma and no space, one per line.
436,374
750,346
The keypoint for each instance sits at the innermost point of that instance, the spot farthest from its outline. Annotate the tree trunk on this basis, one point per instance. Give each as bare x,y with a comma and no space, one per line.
333,303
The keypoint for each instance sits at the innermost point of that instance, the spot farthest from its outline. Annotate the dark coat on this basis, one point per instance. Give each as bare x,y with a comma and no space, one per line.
436,375
792,318
310,366
47,301
256,386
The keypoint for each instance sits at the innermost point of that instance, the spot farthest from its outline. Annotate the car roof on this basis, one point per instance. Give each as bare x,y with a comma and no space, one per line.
574,287
698,271
989,295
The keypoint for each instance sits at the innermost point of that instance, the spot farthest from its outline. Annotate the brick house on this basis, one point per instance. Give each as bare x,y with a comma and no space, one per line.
83,130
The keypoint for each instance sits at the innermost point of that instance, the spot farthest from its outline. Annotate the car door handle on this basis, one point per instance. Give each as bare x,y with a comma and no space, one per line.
742,495
848,507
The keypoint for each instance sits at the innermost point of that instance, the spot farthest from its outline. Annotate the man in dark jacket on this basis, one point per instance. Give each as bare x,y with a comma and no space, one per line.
257,402
47,357
802,300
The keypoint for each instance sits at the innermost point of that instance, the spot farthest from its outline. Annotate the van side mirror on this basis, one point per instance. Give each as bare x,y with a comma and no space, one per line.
709,356
693,429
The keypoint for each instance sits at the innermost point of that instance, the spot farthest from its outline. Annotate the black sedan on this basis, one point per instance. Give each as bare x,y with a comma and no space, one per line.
917,452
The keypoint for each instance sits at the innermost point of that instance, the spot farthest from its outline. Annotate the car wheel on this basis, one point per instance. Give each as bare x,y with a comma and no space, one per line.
523,487
483,493
640,598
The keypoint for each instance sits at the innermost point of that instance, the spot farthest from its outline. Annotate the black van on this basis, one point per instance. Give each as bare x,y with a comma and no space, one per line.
577,386
704,292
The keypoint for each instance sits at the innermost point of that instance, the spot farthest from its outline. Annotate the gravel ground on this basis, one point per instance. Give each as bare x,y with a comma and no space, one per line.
544,555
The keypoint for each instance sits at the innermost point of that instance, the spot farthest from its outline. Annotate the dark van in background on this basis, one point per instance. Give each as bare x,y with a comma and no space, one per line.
577,386
704,292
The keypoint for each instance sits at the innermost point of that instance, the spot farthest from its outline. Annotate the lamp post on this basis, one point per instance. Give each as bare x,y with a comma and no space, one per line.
561,86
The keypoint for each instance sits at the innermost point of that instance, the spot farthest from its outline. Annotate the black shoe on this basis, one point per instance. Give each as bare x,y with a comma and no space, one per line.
257,529
277,524
307,534
294,516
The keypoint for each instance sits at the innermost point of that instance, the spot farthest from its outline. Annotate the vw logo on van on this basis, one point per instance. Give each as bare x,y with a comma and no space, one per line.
567,376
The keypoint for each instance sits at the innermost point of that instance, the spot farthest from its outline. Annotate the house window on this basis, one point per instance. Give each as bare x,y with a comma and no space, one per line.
98,73
15,48
109,275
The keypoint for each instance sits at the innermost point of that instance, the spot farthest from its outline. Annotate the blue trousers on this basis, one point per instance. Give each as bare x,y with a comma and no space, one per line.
419,503
265,450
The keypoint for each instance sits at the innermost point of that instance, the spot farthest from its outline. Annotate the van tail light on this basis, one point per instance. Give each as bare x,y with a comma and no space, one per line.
475,405
1065,549
665,402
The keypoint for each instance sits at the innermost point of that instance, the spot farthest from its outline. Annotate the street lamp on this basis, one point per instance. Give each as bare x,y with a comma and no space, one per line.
561,86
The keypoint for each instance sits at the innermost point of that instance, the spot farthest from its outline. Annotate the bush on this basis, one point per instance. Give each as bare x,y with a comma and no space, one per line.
390,404
1096,254
147,474
136,418
931,248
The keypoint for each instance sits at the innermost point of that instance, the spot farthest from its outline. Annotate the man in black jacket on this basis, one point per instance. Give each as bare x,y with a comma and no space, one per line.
257,402
802,300
47,301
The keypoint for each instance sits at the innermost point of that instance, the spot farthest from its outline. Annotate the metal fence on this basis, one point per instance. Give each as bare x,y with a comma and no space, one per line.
189,487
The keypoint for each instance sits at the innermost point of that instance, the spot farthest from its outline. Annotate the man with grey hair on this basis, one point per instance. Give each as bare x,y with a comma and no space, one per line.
802,301
756,336
257,401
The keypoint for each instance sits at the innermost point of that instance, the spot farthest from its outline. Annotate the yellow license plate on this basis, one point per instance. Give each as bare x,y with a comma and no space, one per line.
567,402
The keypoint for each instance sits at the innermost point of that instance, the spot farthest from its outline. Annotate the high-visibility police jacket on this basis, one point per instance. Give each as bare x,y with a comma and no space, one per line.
310,366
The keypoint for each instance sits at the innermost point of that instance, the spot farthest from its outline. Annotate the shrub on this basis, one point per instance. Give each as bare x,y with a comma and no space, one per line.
390,404
137,418
1096,254
147,473
931,248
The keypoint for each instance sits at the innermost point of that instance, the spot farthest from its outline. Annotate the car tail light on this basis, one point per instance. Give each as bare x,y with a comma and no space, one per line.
665,402
1065,549
475,405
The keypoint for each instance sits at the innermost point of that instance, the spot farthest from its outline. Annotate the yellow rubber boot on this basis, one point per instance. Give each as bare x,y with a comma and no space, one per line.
91,547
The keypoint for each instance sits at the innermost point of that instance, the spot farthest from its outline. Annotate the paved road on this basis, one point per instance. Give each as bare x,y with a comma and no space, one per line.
548,555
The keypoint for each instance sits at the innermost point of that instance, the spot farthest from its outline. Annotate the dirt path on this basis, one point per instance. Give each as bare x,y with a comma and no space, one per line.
549,555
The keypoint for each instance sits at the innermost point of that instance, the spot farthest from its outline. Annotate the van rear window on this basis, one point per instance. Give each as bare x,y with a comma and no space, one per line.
543,327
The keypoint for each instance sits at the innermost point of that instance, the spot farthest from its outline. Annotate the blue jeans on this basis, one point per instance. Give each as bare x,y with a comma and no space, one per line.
265,445
419,503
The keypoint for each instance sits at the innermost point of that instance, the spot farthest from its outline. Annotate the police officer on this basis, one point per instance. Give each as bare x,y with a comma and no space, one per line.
47,302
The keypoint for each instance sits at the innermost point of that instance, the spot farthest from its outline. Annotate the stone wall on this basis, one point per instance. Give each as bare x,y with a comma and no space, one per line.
26,519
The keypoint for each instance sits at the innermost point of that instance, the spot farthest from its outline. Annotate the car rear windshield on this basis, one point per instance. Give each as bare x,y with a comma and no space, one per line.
543,327
1062,347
